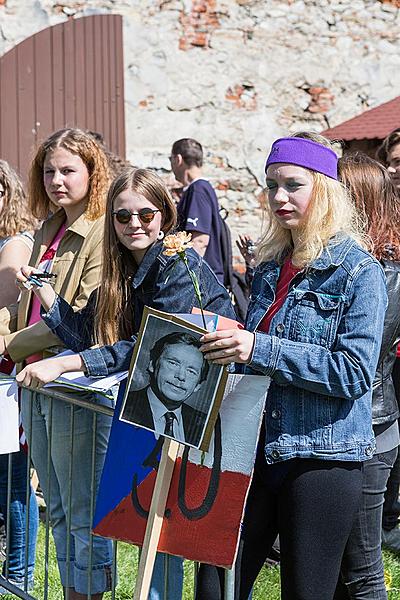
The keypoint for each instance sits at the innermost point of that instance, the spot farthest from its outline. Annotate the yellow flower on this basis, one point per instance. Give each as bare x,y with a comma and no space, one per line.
388,580
176,243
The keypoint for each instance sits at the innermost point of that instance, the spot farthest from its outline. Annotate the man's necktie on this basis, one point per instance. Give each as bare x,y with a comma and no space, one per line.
169,423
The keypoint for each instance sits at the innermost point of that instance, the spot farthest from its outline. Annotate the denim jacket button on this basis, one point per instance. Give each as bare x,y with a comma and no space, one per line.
275,454
369,450
276,413
280,327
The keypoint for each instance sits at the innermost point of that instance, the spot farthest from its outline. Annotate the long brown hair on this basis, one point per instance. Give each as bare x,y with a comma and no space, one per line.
374,195
114,306
77,142
15,215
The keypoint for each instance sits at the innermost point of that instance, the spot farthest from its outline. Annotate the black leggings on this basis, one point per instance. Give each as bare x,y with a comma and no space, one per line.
312,505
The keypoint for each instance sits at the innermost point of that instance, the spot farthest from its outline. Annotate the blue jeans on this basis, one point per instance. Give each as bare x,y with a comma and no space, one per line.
49,424
167,581
362,567
17,518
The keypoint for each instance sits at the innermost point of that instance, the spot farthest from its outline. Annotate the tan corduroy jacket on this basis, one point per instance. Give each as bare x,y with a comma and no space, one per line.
77,264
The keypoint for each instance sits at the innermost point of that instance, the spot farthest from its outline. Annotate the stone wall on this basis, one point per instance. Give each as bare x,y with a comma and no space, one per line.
236,74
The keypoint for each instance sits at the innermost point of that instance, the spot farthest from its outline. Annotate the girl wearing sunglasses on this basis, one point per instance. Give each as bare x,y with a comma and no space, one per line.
135,273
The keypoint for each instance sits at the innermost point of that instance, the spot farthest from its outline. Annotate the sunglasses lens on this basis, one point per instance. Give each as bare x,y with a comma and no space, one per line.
123,216
146,215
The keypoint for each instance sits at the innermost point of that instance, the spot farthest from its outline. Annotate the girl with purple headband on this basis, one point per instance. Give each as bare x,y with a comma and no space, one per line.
314,326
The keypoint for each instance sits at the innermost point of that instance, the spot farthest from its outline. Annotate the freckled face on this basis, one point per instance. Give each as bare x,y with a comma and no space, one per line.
65,178
136,235
393,160
289,193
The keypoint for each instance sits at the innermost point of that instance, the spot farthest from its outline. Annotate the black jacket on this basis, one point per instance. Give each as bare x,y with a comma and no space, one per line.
385,407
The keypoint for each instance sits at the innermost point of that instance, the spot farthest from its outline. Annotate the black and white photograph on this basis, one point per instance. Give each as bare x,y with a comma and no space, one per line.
172,389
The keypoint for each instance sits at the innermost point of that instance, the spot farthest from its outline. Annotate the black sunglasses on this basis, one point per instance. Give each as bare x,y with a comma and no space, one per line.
145,215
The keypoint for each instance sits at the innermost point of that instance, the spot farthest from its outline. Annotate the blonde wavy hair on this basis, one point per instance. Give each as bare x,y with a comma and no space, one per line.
114,308
82,144
330,213
15,215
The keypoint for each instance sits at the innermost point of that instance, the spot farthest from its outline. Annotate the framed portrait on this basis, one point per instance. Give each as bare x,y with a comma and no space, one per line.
172,389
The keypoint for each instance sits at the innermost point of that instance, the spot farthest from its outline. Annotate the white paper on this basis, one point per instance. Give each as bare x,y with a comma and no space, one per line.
240,412
9,419
78,379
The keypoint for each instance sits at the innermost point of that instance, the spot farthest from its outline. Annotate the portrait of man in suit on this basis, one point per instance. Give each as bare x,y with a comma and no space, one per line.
176,371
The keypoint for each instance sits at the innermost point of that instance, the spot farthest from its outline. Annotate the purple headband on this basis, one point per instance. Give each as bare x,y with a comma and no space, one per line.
304,153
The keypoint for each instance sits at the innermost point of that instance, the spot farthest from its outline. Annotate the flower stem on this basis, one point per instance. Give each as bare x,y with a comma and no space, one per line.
196,285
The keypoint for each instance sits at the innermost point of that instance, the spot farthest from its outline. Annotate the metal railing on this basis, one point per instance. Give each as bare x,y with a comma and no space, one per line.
96,410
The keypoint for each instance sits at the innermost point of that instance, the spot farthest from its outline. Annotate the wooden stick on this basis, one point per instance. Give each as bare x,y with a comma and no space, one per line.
155,519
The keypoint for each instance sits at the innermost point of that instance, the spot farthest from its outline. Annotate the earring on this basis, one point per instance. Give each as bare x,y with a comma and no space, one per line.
160,235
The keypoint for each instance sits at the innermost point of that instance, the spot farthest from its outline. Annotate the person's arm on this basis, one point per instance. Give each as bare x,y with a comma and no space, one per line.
173,284
38,337
247,250
246,247
346,371
14,254
44,293
39,373
391,329
200,242
73,328
198,219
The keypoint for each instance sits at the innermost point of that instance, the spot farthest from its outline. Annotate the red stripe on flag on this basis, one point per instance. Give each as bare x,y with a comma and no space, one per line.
211,539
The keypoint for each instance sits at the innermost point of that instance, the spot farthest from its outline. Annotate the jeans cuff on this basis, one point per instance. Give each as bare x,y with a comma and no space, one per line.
101,579
65,569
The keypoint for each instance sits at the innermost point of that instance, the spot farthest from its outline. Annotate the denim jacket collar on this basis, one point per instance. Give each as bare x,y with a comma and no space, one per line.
153,253
334,253
332,256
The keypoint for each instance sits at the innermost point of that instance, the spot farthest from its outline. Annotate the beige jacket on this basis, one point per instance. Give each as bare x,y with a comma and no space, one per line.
77,264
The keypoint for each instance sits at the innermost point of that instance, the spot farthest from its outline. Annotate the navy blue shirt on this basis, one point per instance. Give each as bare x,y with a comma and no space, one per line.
198,211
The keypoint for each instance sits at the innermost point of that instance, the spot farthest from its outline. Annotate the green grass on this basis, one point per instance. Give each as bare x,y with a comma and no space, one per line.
267,586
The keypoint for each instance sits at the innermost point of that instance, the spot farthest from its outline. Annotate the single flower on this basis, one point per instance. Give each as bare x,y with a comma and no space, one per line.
175,243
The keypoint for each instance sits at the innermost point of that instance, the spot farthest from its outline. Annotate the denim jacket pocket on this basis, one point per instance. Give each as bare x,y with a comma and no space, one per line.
316,317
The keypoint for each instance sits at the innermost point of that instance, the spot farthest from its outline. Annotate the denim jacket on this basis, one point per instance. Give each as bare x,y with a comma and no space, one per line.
321,352
160,282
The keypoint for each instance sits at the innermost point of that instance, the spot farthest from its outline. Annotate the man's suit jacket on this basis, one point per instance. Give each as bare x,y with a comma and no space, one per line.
138,410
